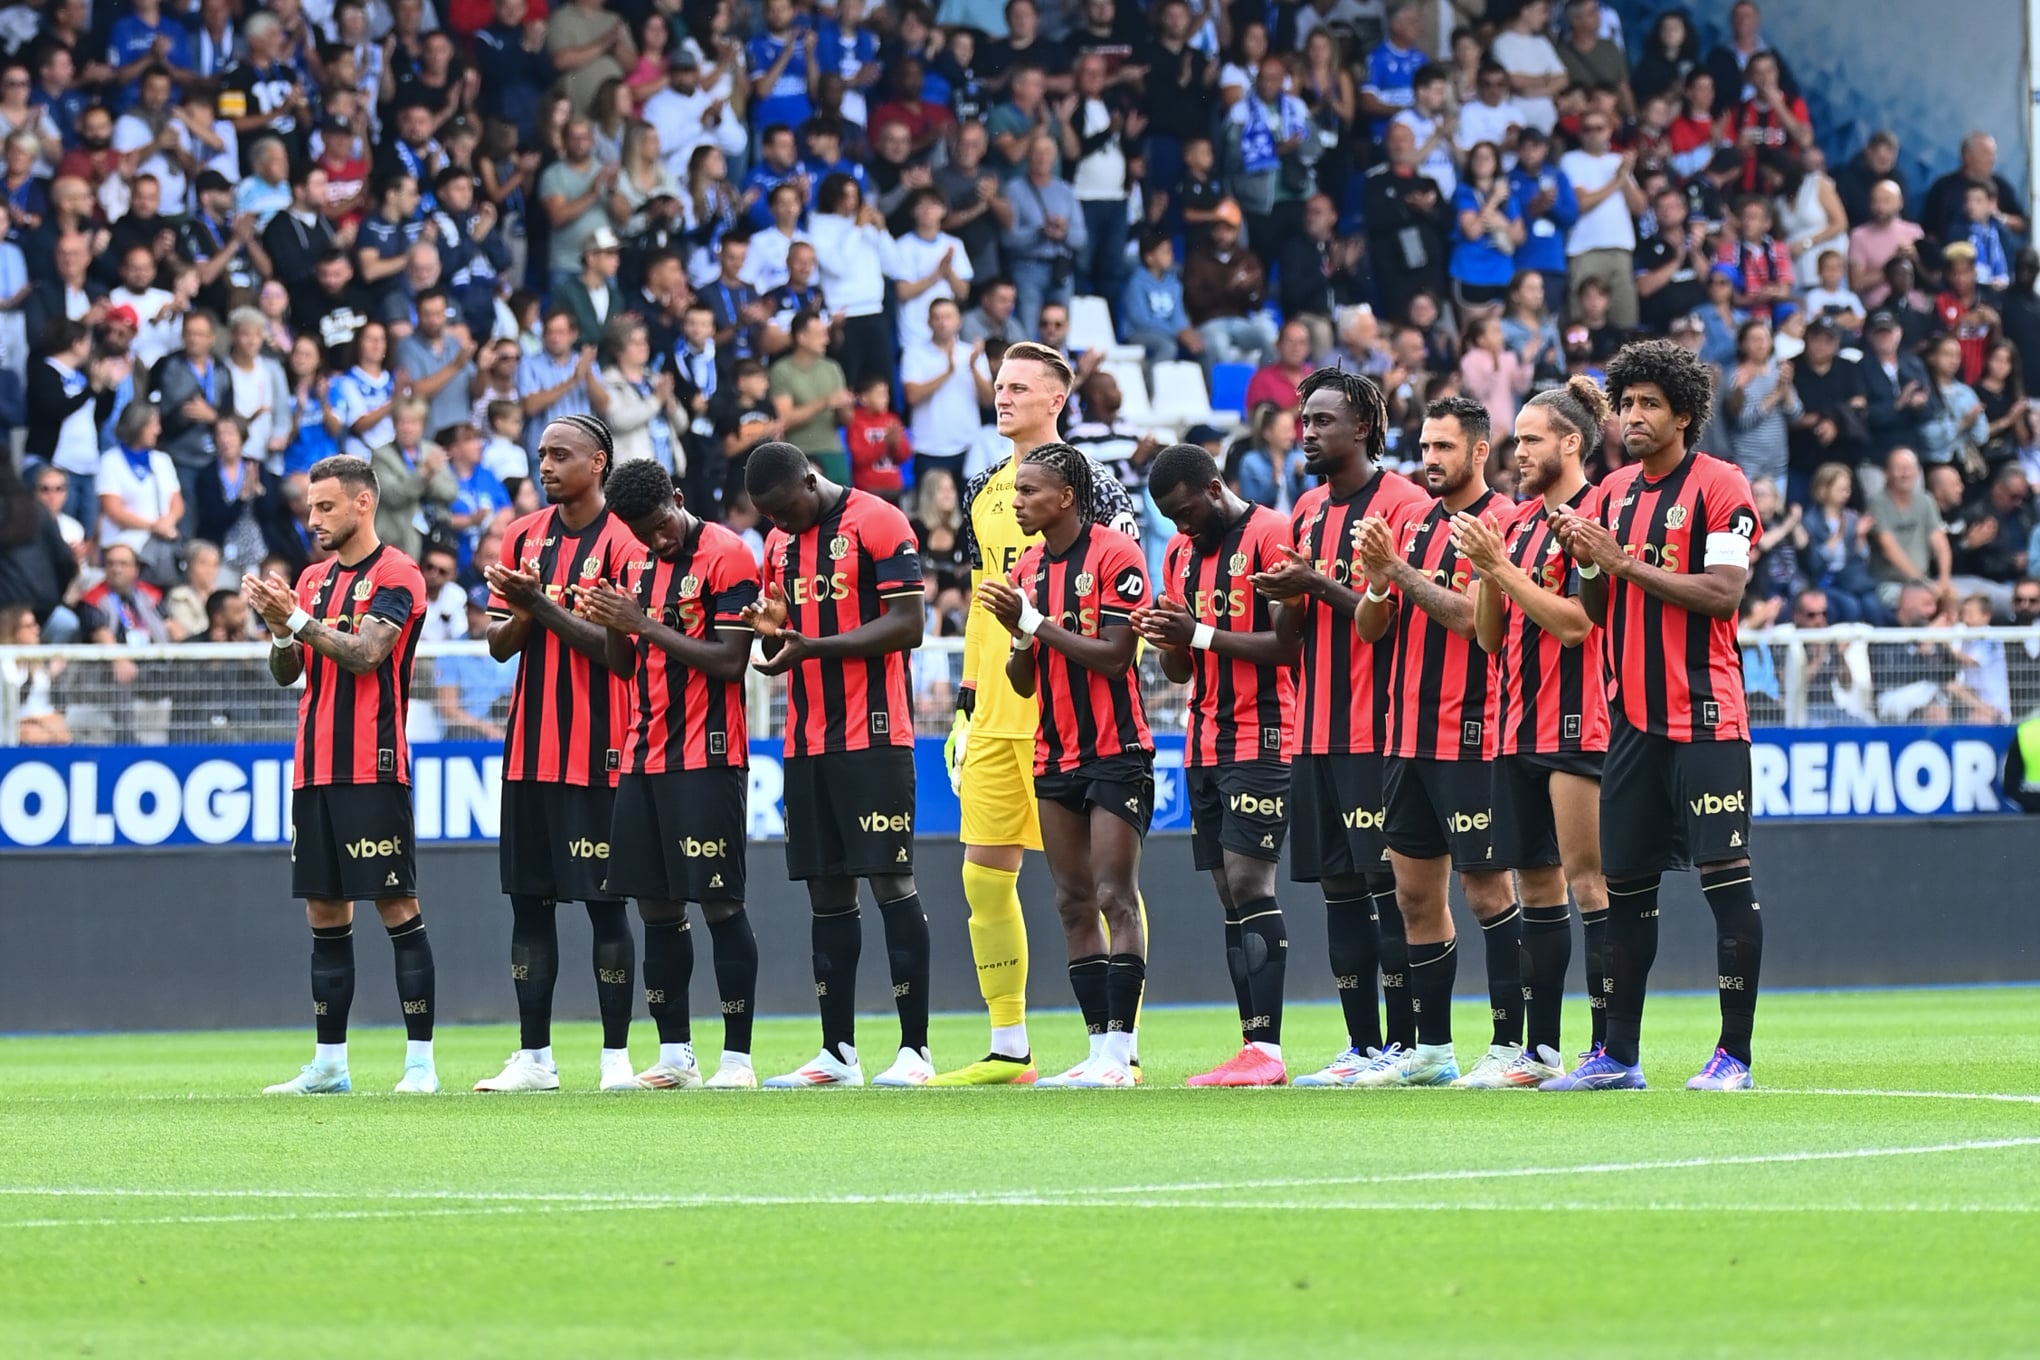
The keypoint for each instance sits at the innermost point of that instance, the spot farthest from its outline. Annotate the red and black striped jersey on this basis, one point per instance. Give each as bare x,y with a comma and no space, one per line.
569,717
680,718
351,727
837,577
1342,682
1238,711
1551,700
1675,673
1097,584
1442,695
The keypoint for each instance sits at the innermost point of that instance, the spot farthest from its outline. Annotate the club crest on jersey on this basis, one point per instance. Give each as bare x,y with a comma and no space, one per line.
839,548
690,586
592,567
1238,563
363,589
1086,583
1675,518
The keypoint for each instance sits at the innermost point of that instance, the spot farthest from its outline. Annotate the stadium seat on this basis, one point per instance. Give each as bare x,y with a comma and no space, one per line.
1133,393
1179,397
1229,386
1091,324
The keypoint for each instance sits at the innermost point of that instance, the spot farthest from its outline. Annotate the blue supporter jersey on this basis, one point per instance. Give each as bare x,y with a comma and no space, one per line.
131,40
1391,78
787,101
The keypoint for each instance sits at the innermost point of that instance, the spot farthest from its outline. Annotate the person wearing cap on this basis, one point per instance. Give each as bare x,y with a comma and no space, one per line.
1224,288
1834,425
225,248
687,116
592,295
1894,386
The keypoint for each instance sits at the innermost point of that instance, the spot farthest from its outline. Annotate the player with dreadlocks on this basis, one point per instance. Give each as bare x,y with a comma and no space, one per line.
1069,607
562,748
1337,741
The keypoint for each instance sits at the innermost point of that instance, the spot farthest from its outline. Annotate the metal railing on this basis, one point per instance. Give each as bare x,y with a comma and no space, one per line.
200,693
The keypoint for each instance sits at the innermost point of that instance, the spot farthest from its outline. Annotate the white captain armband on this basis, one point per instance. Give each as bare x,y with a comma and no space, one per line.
1728,549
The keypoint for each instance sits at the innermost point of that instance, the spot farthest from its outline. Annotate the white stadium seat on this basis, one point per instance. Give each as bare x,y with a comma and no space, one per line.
1180,398
1091,325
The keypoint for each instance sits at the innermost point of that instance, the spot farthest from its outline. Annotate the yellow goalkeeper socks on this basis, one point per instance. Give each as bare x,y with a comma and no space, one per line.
998,941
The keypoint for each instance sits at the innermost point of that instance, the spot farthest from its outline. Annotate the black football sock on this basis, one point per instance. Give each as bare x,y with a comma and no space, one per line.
1265,938
534,966
415,976
1398,1003
1738,952
1236,965
615,971
736,977
332,981
1087,980
1502,939
1594,929
907,950
838,938
1632,949
1125,979
669,968
1547,954
1353,934
1433,970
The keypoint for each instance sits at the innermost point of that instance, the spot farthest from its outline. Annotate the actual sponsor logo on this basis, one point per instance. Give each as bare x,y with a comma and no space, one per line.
1715,804
1468,821
883,821
815,589
695,849
1252,805
373,849
1129,586
583,848
1363,819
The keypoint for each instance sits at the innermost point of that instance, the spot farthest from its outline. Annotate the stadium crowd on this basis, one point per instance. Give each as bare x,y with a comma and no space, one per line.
240,238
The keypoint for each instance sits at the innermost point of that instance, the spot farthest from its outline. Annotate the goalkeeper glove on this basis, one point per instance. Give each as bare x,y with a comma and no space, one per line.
959,738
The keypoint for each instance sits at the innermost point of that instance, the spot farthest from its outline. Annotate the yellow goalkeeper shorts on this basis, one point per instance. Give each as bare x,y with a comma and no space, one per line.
998,792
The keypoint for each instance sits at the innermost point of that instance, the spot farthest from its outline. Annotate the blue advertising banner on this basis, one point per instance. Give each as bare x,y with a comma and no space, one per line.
68,798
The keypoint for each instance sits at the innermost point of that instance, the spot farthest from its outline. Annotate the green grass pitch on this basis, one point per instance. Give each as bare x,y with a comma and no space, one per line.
150,1206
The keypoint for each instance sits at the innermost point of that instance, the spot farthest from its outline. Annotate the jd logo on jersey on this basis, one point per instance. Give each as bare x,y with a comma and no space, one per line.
368,849
584,848
1713,805
1250,805
1129,586
879,821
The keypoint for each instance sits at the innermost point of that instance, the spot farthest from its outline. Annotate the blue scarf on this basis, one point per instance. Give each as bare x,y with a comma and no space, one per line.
1991,266
138,459
1258,140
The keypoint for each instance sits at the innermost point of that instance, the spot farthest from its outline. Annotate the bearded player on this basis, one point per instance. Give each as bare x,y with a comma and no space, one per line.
991,745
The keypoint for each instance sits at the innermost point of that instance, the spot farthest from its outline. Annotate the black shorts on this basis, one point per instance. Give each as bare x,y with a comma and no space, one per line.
1337,817
850,814
1671,804
1124,785
1437,808
352,843
1526,829
554,841
679,836
1243,808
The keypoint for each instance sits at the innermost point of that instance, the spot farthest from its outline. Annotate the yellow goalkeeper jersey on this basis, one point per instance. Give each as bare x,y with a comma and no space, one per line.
993,543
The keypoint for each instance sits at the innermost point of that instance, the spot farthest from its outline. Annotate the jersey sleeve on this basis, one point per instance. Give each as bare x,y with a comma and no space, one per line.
1174,560
967,538
399,594
733,585
1273,534
1125,584
1731,518
895,551
1110,505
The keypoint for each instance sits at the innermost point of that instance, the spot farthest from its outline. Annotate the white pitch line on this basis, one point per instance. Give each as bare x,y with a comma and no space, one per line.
2005,1096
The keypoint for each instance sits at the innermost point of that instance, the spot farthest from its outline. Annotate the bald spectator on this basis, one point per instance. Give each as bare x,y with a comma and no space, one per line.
1873,242
1942,215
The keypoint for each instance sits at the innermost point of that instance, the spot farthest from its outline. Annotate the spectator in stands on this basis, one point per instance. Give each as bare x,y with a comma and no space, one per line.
1895,385
437,362
1120,446
1047,234
1591,59
1774,562
472,693
559,380
1875,164
1548,206
1429,120
1759,403
1943,209
978,210
236,509
1492,116
592,297
1672,263
946,383
129,607
1730,62
1537,74
812,396
2022,656
141,501
1360,349
1275,382
32,684
1965,309
590,45
1762,263
1105,126
1810,219
1952,423
1026,117
645,416
1985,696
1770,124
1409,223
1488,232
995,316
1266,467
851,246
1392,67
1909,539
1178,91
1980,229
928,265
1915,680
1670,53
1054,331
574,191
37,567
1837,554
445,602
1602,243
743,416
70,394
1224,286
1994,551
1493,374
1833,424
1152,313
2001,389
480,497
417,485
877,442
926,122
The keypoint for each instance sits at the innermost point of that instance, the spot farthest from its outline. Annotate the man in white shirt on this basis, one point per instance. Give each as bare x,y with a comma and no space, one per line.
925,265
160,318
946,384
1492,117
148,125
1602,243
687,116
1536,74
765,262
445,602
1433,125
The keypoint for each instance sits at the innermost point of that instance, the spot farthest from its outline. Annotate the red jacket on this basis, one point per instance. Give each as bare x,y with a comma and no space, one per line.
878,444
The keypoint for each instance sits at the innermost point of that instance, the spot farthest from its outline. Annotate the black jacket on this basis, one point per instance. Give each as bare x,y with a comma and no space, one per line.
1890,427
216,515
46,303
49,408
38,572
1312,282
